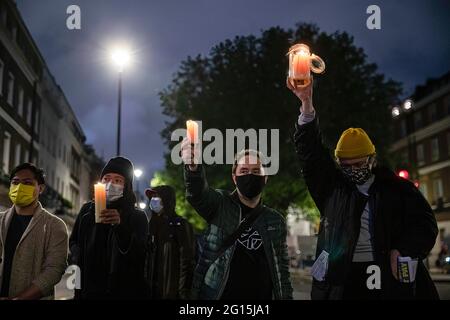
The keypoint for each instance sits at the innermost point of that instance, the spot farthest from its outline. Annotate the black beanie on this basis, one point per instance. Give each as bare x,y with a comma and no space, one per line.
119,165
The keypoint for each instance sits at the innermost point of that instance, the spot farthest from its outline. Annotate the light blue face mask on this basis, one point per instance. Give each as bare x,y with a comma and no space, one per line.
156,204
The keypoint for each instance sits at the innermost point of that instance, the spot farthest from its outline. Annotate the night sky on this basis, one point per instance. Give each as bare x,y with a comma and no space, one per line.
412,45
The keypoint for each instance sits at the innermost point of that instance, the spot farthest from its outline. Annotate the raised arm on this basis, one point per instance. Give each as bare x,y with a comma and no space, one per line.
204,199
318,167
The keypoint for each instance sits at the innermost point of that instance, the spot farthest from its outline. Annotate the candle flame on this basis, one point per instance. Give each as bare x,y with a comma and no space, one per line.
302,53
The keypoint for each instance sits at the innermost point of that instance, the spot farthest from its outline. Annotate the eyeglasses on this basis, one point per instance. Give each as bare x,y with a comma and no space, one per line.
356,165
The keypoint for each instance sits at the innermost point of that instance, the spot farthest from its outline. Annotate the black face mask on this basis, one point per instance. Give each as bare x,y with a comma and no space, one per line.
250,185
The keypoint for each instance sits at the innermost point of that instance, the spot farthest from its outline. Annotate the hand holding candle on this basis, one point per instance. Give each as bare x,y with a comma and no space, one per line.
100,200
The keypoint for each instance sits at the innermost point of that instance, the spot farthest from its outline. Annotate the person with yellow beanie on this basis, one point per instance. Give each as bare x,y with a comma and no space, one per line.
371,219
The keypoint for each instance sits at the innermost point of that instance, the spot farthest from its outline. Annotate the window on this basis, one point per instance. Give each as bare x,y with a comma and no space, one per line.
26,156
74,195
2,69
52,181
420,155
402,128
49,139
20,103
29,111
447,104
17,155
423,188
36,122
75,164
438,190
3,14
10,92
433,112
434,149
404,156
448,143
14,32
418,120
6,152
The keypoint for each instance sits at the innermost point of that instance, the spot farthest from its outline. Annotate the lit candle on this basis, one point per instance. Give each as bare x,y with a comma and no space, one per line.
301,66
99,199
192,131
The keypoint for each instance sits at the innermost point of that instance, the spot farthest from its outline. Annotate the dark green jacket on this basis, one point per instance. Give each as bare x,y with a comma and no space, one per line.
223,215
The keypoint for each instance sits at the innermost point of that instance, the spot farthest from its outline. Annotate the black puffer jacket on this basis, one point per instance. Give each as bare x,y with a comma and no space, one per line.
403,220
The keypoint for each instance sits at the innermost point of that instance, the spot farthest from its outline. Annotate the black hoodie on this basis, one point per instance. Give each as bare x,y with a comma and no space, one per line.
111,258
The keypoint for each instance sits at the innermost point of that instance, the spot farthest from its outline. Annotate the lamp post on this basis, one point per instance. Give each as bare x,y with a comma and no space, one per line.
138,173
121,58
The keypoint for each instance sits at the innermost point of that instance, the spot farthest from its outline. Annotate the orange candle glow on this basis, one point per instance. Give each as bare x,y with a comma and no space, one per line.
192,131
99,199
301,64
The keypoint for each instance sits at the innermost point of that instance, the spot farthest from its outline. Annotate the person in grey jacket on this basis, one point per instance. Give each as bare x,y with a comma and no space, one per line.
33,242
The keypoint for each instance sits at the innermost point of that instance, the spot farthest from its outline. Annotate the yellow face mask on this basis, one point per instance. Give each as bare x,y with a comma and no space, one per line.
21,195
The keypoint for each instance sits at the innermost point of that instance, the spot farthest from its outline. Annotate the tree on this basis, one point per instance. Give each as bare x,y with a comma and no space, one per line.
241,84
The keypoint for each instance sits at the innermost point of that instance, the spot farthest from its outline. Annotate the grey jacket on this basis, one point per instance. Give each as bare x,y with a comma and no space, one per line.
41,255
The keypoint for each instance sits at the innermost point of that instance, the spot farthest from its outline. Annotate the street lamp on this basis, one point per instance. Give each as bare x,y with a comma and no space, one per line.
395,112
407,104
138,173
142,205
121,58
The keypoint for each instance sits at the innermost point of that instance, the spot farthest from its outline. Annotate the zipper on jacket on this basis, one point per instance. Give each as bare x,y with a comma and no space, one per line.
272,271
227,272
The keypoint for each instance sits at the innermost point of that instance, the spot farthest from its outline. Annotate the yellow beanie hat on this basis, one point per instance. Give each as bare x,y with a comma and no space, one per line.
354,143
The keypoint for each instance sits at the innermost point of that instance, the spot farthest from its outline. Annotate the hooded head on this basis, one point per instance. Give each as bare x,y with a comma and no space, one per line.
122,166
167,195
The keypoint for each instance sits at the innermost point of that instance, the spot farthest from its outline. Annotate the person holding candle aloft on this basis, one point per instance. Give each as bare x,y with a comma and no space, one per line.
34,242
111,253
245,253
370,218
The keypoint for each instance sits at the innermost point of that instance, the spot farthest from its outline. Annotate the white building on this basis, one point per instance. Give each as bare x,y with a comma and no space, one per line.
301,239
37,123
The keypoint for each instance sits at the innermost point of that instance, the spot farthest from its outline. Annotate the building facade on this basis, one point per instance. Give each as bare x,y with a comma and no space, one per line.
37,123
422,147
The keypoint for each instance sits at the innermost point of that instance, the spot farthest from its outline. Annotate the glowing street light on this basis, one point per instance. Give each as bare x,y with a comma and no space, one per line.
121,58
407,104
142,205
395,112
138,173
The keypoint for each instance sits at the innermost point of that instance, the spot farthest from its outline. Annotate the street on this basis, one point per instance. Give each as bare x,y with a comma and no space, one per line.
301,281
